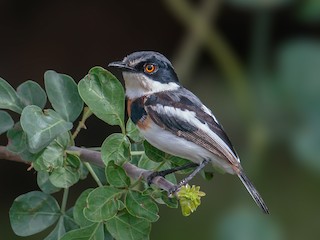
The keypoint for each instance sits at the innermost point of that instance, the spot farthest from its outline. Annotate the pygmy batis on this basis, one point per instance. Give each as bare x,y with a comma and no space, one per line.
174,120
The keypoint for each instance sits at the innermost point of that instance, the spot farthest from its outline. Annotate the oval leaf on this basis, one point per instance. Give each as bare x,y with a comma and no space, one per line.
102,204
115,148
116,176
18,143
92,232
9,98
67,175
141,206
133,132
42,127
63,94
124,226
153,153
79,206
44,183
33,212
6,122
30,93
58,231
104,95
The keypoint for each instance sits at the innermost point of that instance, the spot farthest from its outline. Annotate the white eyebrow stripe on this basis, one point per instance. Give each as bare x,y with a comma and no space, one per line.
190,118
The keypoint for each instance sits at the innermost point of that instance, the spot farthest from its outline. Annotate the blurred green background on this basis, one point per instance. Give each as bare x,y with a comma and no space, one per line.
255,63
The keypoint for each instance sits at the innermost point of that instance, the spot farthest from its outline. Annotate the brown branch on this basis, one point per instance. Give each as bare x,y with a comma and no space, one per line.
94,157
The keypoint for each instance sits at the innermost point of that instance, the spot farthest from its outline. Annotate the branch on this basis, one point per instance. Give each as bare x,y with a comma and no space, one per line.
94,157
132,171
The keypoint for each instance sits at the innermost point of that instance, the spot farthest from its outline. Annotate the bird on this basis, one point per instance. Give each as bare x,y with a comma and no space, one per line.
174,120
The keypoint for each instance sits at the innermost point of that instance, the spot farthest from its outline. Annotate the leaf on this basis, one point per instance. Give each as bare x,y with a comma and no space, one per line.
153,153
30,93
92,232
53,155
6,122
58,231
69,222
133,132
9,98
171,202
42,127
33,212
68,175
79,206
102,204
146,163
116,176
115,148
63,94
124,226
44,183
141,206
104,95
17,143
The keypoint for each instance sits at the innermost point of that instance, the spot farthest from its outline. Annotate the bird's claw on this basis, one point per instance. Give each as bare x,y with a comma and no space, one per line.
152,176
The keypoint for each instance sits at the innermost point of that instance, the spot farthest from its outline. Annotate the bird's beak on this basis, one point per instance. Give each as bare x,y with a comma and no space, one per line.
121,65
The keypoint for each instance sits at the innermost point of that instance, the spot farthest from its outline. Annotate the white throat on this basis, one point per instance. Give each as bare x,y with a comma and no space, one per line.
138,85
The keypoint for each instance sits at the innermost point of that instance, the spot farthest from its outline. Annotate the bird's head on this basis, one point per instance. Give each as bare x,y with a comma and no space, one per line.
147,72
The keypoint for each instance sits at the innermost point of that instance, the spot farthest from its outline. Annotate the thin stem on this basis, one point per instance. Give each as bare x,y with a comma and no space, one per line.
86,114
64,200
93,174
136,153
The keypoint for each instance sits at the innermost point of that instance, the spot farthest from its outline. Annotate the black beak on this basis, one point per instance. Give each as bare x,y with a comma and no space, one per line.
121,65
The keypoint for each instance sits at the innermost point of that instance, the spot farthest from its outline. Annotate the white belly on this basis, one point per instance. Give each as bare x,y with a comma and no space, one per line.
177,146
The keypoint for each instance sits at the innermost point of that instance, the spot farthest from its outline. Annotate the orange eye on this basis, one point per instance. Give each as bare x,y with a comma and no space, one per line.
150,68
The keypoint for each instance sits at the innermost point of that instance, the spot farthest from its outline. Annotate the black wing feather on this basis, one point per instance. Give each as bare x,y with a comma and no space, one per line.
185,100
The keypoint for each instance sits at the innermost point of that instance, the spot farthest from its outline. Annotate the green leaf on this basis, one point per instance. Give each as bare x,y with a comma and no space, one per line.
92,232
153,153
102,204
69,174
69,222
42,127
146,163
141,206
124,226
133,132
33,212
104,95
116,176
53,155
79,206
30,93
171,202
18,143
6,122
58,231
115,148
44,183
63,94
9,98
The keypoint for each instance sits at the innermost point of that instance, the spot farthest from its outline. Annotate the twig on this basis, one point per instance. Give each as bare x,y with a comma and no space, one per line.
94,157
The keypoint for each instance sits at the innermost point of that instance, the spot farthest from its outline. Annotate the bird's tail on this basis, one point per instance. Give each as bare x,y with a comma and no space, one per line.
253,192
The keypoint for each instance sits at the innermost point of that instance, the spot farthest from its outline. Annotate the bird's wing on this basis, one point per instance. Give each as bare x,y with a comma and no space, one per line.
183,114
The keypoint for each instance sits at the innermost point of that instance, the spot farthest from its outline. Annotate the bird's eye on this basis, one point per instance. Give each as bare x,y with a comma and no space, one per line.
150,68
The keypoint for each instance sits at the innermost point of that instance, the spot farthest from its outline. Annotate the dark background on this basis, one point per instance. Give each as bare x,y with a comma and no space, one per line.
270,108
